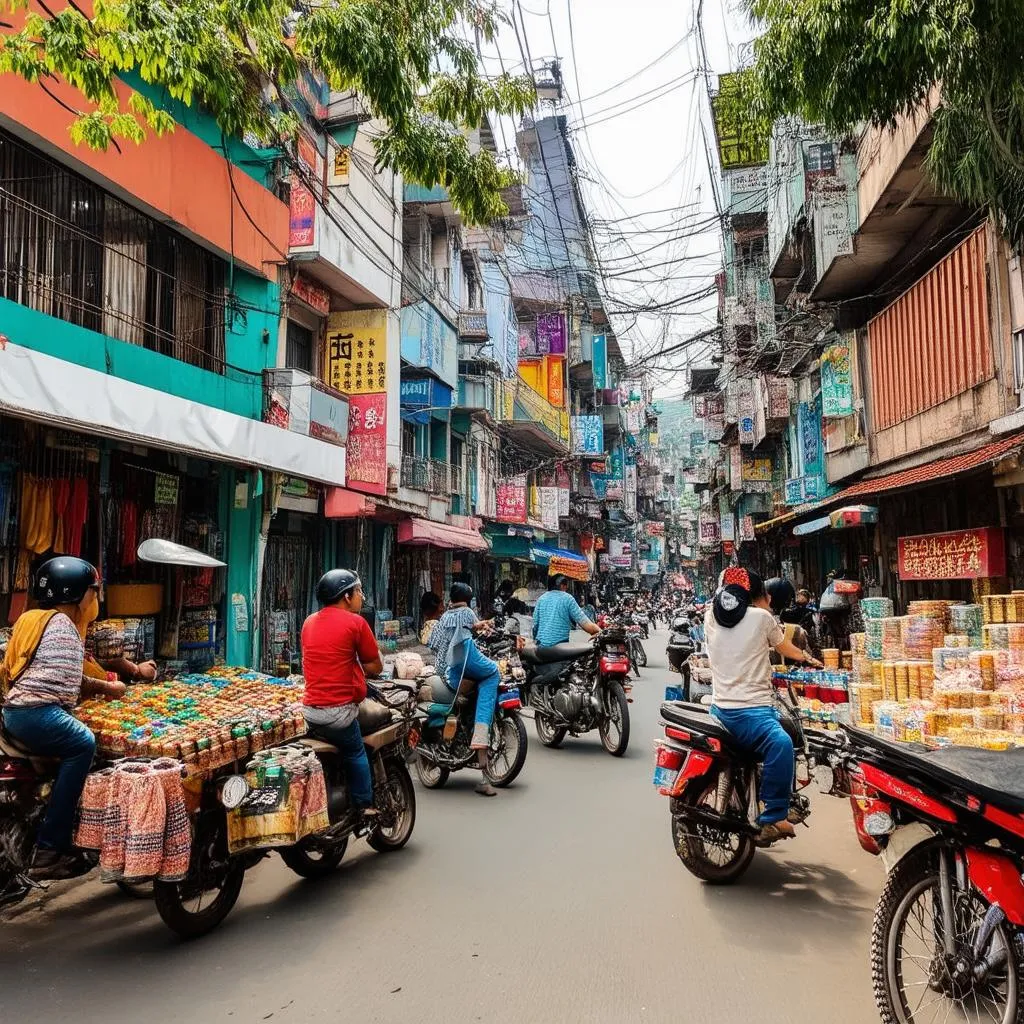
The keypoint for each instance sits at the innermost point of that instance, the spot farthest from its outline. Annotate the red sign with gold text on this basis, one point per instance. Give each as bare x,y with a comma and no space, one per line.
957,555
511,500
367,450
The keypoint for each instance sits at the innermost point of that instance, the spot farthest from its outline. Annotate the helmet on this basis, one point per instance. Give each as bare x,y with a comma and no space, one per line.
335,584
556,582
460,592
63,580
780,592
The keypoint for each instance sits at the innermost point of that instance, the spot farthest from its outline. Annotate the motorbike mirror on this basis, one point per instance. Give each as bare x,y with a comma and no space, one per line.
166,552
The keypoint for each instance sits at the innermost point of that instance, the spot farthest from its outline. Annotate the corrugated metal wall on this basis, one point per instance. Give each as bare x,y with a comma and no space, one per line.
933,342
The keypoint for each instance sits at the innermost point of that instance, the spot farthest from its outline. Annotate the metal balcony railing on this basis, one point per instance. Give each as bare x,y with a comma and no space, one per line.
440,477
415,473
457,479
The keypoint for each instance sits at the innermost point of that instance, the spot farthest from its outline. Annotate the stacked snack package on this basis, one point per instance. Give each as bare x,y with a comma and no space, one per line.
920,634
966,619
892,637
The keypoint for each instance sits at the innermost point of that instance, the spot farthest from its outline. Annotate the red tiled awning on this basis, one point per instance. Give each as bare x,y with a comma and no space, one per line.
441,535
928,473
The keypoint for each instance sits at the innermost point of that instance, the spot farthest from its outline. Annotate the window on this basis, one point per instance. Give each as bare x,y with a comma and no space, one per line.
299,350
1018,361
408,439
72,251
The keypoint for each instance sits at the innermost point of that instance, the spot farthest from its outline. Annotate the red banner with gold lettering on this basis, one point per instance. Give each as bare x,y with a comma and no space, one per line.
957,555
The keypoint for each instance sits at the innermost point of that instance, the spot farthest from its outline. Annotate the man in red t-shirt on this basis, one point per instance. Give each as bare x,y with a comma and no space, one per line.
338,649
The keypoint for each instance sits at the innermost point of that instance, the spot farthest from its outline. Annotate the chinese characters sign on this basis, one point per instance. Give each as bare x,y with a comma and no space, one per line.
958,555
587,435
549,508
367,456
357,352
836,382
511,500
757,470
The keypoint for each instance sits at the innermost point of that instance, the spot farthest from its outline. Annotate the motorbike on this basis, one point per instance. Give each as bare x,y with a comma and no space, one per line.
713,785
948,935
574,688
643,623
680,647
445,724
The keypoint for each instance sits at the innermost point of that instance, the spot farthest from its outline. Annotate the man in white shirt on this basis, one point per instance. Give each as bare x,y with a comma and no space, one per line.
739,632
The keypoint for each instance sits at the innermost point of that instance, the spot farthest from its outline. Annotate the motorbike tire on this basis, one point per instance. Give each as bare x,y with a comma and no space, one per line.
404,796
616,696
431,776
510,725
307,862
549,735
170,903
690,849
914,874
641,654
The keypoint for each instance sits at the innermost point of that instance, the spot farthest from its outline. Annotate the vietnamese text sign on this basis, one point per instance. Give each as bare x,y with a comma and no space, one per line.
367,454
957,555
549,508
836,382
587,435
600,358
357,352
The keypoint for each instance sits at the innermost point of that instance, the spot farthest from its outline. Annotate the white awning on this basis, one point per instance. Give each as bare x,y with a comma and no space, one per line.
58,393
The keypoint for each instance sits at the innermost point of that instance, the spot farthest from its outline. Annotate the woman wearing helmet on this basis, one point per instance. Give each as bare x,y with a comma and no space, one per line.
42,680
338,650
456,657
797,626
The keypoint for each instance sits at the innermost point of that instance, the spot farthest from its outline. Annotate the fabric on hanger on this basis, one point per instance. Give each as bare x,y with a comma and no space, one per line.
78,511
44,531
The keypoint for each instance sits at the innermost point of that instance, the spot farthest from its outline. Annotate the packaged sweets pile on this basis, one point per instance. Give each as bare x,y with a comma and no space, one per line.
967,689
205,720
823,694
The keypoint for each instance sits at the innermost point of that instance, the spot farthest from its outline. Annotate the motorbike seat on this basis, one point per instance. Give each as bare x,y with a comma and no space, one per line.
10,747
558,652
697,718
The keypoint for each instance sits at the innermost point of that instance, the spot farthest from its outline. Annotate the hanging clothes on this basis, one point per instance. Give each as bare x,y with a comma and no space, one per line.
78,512
61,497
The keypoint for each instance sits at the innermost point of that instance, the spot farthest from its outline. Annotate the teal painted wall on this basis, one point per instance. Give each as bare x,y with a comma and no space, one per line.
239,390
242,527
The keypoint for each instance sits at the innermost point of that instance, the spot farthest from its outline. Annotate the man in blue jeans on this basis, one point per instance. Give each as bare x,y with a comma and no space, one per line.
338,650
556,613
739,629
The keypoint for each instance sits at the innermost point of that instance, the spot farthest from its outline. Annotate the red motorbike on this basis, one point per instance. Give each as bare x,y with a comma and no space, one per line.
948,936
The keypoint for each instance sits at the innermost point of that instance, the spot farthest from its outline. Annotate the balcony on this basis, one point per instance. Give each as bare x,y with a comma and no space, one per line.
531,419
297,401
430,283
427,475
473,325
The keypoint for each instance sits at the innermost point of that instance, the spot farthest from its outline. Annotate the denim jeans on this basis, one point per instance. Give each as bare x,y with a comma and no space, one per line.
485,674
51,732
349,741
759,730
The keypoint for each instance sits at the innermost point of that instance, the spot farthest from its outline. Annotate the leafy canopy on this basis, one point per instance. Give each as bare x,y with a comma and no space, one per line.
838,63
405,58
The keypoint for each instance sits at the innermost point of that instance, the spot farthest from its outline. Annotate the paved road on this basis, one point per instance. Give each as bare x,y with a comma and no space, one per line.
560,900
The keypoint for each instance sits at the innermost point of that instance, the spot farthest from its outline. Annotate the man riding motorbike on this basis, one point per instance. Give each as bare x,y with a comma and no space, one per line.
457,657
740,629
43,677
338,650
556,612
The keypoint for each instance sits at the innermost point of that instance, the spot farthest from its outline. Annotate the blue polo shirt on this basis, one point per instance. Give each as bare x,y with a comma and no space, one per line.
554,616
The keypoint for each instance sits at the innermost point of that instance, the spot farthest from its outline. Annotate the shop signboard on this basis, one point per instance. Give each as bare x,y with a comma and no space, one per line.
745,411
747,528
166,489
649,567
328,415
563,501
604,562
430,341
312,295
956,555
809,420
622,561
357,352
836,382
511,500
549,507
709,532
727,527
795,491
654,529
714,416
551,334
735,468
600,358
587,435
367,458
527,338
756,470
301,215
556,385
777,398
423,394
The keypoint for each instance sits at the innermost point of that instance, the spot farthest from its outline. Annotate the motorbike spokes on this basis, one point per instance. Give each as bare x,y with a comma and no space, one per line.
931,986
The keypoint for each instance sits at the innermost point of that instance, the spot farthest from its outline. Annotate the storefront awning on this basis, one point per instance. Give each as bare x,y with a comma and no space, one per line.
918,476
53,391
441,535
543,553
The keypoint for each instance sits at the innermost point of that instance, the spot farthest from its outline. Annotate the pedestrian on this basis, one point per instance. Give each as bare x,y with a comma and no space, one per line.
431,607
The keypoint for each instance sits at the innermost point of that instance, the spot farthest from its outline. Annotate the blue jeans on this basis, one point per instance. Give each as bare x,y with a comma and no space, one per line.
51,732
349,741
485,674
759,730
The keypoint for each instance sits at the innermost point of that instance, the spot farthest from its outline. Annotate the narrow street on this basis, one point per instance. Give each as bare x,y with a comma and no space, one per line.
560,900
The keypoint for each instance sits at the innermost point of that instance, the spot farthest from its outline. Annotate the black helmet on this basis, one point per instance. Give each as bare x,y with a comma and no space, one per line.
335,584
781,593
460,592
556,581
63,580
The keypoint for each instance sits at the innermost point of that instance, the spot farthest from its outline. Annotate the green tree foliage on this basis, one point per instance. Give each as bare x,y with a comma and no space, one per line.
405,58
839,63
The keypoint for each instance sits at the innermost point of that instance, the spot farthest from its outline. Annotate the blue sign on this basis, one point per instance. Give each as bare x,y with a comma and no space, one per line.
416,393
600,361
429,341
425,394
587,435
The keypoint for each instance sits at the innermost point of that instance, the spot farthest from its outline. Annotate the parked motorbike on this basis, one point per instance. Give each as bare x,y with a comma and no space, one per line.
948,935
574,688
445,725
713,785
680,647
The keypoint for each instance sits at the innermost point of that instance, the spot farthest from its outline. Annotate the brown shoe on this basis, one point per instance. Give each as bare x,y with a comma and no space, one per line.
773,832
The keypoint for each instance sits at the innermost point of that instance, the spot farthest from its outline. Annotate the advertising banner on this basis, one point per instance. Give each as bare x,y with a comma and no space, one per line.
357,352
367,460
957,555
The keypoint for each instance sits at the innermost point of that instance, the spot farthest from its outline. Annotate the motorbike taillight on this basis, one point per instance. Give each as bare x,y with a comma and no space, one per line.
15,770
872,815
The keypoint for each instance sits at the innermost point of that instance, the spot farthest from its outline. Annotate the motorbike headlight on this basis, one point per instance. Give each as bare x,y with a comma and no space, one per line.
234,790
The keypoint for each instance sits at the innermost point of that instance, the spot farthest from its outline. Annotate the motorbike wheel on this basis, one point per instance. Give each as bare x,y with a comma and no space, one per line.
614,726
548,734
398,810
908,918
506,758
431,776
712,854
198,904
313,862
641,654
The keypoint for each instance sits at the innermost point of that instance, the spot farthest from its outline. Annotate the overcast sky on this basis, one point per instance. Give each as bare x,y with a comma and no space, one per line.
637,134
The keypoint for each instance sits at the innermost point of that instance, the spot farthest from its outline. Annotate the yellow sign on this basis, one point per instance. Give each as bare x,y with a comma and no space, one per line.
342,159
757,470
357,352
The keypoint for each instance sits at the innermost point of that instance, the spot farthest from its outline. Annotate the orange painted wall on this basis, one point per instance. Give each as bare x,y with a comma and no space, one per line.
178,177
